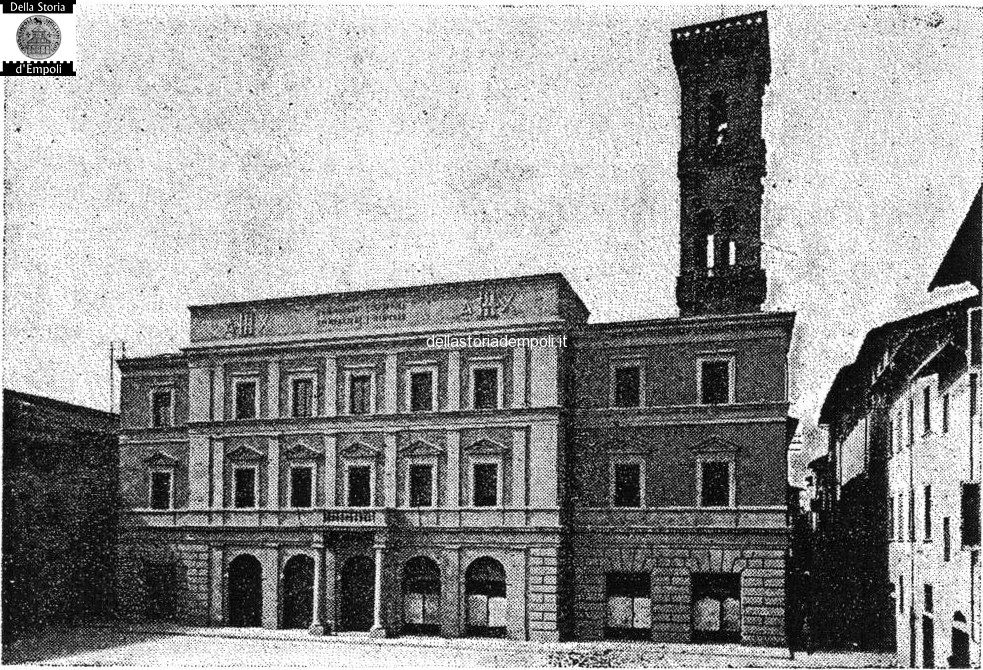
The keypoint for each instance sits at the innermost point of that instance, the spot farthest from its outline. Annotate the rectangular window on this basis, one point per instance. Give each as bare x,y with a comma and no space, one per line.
946,540
303,397
891,446
160,489
975,339
714,382
929,604
927,410
928,514
627,386
901,509
716,614
359,485
245,487
890,519
627,485
629,600
901,593
911,420
970,508
246,398
911,517
945,413
898,425
421,391
360,393
421,485
715,484
974,382
485,388
301,486
485,485
161,408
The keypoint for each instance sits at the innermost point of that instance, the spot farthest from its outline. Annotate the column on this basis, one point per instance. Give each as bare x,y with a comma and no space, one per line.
218,472
218,393
519,372
216,611
270,560
453,468
544,377
317,625
330,469
330,577
273,390
392,383
389,469
453,381
378,629
519,471
198,470
273,473
330,386
450,589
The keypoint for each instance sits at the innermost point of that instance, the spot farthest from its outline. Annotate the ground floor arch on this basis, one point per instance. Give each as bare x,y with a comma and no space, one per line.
485,594
421,597
245,591
298,592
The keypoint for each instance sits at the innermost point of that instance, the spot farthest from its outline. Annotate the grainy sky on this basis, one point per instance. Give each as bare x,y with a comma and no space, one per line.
223,153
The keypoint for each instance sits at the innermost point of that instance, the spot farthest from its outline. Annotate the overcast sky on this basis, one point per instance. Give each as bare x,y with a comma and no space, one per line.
227,153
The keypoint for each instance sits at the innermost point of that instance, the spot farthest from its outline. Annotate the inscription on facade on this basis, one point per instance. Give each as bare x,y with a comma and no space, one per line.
376,311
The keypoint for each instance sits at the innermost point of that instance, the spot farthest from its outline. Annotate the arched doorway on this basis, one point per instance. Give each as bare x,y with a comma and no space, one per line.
960,642
298,592
245,592
421,597
357,594
484,589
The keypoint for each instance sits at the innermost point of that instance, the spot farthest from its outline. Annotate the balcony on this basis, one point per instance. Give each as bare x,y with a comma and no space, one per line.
682,518
346,517
333,517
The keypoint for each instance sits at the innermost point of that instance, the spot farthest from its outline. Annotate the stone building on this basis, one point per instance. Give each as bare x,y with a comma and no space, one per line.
897,552
476,458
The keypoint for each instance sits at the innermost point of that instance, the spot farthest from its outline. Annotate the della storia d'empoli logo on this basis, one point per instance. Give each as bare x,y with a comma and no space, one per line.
38,36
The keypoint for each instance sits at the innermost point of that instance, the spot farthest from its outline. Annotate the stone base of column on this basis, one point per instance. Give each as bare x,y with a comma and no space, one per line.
378,631
316,629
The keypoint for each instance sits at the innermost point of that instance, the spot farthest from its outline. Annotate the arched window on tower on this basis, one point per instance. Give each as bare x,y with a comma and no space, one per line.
717,119
710,254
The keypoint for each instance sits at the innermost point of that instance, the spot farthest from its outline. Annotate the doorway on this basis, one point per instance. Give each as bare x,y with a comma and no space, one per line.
357,594
245,592
298,592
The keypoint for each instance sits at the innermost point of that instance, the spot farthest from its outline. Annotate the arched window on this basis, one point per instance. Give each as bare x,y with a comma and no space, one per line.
484,588
717,119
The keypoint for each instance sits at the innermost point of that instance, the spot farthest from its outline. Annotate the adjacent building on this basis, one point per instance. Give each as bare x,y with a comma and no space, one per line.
60,508
477,458
898,491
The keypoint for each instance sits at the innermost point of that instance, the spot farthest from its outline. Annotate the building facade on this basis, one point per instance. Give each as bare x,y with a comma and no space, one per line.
934,475
60,474
475,458
897,543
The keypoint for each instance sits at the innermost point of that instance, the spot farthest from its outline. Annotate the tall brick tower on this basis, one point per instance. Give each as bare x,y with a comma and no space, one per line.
723,69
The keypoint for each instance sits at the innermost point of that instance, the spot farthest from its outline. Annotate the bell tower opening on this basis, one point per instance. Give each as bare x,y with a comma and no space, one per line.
723,68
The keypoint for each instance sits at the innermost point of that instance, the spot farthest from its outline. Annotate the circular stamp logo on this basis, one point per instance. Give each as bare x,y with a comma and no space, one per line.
38,36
